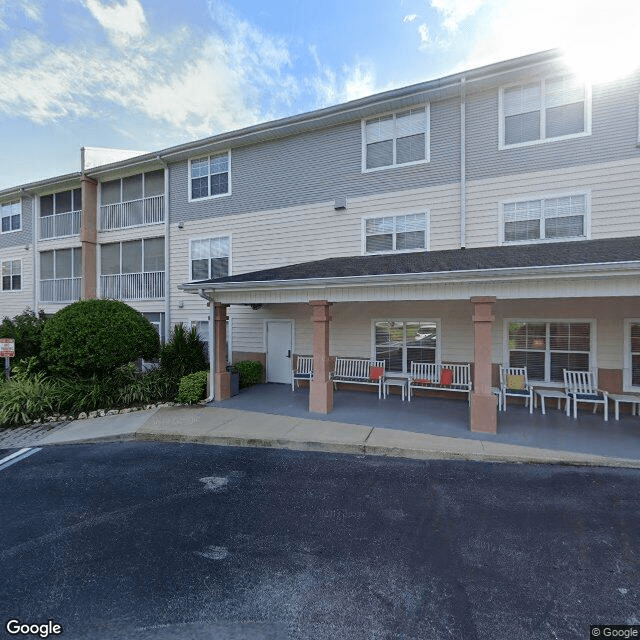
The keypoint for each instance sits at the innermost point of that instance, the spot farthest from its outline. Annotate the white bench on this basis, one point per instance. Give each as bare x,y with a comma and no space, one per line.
429,375
580,387
303,370
359,371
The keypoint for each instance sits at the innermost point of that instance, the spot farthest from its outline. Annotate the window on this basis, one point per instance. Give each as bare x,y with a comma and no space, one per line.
209,176
546,348
556,218
396,139
544,110
11,216
632,355
210,258
133,256
157,321
11,275
401,342
395,233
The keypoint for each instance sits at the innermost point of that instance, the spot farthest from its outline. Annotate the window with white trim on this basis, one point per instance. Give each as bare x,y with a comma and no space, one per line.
11,216
209,176
546,348
632,355
544,110
407,232
557,218
397,138
61,275
11,275
401,342
210,258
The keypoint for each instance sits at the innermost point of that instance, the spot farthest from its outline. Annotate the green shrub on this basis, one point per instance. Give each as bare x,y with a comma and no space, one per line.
250,371
192,388
183,354
95,337
24,400
26,329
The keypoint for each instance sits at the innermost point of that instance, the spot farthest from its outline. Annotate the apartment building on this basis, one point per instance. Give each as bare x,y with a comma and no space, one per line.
488,217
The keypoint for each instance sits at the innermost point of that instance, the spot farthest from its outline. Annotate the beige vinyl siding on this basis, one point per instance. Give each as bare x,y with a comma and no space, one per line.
351,326
276,238
614,189
12,303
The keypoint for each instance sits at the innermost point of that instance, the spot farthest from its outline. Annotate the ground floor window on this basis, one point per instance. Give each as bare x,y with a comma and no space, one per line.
401,342
632,354
546,348
157,321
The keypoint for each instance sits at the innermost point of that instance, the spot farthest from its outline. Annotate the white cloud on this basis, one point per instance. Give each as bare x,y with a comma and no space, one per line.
456,11
423,31
410,18
27,7
330,88
122,22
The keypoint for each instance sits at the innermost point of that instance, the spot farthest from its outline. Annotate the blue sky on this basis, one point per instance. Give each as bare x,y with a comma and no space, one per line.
148,74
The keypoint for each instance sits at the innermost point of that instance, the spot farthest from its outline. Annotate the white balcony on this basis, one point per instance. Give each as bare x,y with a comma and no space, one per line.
133,286
60,225
133,213
60,290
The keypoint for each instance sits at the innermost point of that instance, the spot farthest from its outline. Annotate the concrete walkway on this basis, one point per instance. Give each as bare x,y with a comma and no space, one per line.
220,426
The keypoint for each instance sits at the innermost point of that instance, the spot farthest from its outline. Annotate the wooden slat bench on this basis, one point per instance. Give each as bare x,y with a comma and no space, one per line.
359,371
429,375
303,370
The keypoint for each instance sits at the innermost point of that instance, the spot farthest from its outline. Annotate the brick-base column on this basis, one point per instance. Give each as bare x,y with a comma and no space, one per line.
321,388
484,411
222,376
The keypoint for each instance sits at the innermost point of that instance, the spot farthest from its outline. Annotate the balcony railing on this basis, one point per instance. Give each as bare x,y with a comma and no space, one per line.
132,213
60,290
60,225
133,286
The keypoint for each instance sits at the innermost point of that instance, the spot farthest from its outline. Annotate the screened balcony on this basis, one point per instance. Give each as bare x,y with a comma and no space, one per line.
61,275
133,286
133,201
60,290
60,214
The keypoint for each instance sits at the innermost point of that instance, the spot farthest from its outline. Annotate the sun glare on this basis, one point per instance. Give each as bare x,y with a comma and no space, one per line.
604,47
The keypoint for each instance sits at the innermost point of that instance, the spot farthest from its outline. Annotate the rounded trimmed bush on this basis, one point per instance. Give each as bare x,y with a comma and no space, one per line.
96,337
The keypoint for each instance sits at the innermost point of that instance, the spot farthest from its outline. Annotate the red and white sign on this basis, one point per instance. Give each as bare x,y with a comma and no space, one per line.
7,348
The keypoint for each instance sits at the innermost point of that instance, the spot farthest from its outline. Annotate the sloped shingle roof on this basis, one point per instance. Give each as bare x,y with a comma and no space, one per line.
610,250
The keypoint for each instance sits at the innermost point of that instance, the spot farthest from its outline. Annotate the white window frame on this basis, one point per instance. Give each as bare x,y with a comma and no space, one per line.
627,384
363,232
406,369
542,198
542,140
547,382
210,237
11,261
9,204
193,322
218,195
394,165
121,242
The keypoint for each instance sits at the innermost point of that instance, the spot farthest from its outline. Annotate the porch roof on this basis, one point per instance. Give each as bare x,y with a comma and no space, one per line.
575,257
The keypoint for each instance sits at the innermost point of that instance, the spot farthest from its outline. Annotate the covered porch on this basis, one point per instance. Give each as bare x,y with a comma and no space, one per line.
588,434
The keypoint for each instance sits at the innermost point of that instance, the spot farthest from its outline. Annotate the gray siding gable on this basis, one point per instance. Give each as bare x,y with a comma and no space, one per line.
614,134
318,166
25,235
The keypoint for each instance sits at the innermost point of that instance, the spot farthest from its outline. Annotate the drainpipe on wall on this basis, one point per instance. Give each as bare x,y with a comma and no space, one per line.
167,253
463,163
212,352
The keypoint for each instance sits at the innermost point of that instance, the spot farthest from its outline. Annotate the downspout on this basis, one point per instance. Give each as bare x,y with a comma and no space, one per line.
463,164
167,252
212,351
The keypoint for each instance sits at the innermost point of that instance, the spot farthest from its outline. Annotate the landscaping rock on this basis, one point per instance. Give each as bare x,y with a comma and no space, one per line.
113,412
82,416
93,414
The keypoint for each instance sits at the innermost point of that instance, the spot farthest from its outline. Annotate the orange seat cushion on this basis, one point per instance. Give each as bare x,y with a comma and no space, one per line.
375,373
446,377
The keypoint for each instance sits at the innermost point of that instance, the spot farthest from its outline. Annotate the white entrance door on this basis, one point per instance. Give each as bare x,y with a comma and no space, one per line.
279,346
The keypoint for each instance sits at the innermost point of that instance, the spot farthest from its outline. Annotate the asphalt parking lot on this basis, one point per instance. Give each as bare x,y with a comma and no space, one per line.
150,540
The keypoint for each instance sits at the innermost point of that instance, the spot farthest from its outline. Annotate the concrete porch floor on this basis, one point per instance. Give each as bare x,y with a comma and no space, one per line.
589,433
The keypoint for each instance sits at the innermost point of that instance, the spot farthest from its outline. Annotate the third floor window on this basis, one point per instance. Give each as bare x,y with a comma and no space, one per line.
549,109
